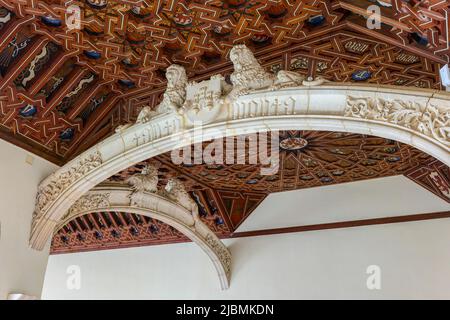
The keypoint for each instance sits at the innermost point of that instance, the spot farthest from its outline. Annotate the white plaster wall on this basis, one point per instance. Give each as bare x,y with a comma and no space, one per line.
413,257
21,268
368,199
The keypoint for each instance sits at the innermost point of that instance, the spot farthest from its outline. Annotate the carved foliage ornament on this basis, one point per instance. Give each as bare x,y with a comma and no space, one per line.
58,182
88,202
222,252
430,120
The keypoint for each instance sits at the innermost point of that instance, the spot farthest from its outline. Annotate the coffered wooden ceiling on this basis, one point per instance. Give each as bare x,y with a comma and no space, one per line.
63,90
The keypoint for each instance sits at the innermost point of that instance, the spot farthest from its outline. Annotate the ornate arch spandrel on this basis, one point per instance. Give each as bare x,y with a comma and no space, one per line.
114,198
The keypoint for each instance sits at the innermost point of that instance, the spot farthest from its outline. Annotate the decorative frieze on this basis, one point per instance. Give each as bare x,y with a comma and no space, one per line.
222,252
428,119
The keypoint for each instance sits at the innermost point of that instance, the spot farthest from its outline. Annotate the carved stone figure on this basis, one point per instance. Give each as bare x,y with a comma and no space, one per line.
248,73
122,127
173,98
318,81
146,181
288,79
176,191
146,114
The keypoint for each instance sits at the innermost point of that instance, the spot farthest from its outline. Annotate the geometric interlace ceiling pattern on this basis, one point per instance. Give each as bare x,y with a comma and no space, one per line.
227,193
62,90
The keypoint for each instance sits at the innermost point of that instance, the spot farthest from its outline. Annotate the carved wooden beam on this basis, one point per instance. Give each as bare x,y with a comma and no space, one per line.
22,62
49,72
71,80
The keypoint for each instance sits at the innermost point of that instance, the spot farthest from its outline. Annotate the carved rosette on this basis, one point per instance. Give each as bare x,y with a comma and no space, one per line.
50,190
429,120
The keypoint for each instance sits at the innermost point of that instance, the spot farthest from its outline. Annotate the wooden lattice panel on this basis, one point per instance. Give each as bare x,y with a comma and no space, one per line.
109,230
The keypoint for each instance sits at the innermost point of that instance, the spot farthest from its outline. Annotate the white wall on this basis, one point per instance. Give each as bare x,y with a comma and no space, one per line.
368,199
21,268
413,257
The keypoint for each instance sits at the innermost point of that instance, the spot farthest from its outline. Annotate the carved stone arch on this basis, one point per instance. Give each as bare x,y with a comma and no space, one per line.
114,198
420,118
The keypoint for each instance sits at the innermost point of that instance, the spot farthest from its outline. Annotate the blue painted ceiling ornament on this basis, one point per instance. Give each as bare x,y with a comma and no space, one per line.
316,21
51,21
420,39
93,54
218,221
67,134
126,83
28,111
361,75
129,64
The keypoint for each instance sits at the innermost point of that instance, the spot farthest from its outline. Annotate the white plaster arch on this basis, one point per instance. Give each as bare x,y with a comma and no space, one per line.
420,118
118,198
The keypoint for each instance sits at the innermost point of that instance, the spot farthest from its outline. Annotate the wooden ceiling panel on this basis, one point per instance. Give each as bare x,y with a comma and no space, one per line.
127,46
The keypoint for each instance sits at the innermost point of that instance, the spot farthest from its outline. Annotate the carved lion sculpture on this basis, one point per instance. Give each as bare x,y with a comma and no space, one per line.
176,191
174,96
248,73
146,181
288,79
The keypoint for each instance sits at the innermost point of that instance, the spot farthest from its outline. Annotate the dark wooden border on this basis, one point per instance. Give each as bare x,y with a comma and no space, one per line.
344,224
